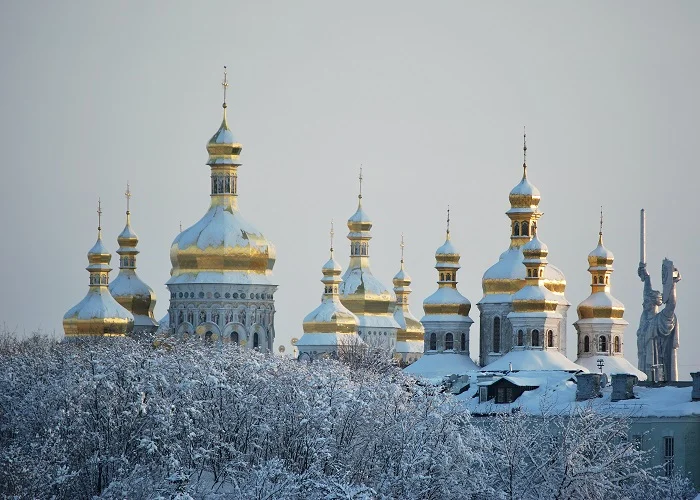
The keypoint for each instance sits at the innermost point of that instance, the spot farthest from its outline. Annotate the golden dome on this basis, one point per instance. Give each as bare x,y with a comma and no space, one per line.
127,288
222,247
98,314
600,303
535,296
410,328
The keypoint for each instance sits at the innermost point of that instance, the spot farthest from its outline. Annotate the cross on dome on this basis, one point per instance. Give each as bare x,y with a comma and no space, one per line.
524,152
360,177
448,222
332,233
128,196
601,221
99,214
402,247
224,84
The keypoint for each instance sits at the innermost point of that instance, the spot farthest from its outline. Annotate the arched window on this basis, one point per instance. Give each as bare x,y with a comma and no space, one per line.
449,342
525,229
442,276
433,342
595,280
602,344
550,338
208,335
607,280
529,273
256,340
497,334
541,273
516,229
464,341
520,337
535,337
586,344
234,337
617,344
449,276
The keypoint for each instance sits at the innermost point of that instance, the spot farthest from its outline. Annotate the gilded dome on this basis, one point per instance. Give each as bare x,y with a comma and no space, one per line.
410,329
98,313
525,194
447,300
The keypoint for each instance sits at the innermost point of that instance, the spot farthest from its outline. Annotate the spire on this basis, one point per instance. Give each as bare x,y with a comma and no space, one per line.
448,223
402,247
359,197
332,233
524,153
600,233
128,197
224,84
99,218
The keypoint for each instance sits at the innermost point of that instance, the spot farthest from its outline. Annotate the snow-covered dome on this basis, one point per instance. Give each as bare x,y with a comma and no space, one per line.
447,300
447,248
535,247
525,194
533,359
98,313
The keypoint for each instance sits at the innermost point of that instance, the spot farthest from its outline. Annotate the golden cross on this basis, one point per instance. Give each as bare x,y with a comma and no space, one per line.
224,84
601,221
332,233
128,196
99,214
448,220
360,182
402,247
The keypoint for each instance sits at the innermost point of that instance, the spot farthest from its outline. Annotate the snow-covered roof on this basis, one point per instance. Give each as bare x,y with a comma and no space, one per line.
98,248
377,321
556,393
362,277
533,292
329,339
601,252
332,265
510,266
403,346
98,303
525,188
611,365
602,300
128,284
435,366
533,359
329,310
446,295
535,244
447,248
360,215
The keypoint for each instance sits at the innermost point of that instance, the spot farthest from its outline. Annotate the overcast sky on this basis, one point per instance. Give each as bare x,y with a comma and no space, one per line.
430,97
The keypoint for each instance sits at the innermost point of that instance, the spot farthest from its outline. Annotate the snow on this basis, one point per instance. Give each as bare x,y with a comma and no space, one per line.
533,359
98,303
331,265
361,280
612,365
435,366
328,339
447,248
327,311
602,299
228,277
601,252
446,295
359,215
535,244
557,394
510,266
402,276
221,227
534,292
374,321
526,188
446,318
98,247
127,283
127,233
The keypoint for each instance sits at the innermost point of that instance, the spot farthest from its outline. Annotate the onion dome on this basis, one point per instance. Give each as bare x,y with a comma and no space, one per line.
128,289
361,291
98,314
507,276
410,329
222,247
331,323
447,300
534,296
600,303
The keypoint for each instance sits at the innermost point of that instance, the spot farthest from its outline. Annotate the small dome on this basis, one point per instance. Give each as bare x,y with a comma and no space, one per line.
600,305
359,221
525,194
507,276
402,277
127,238
535,247
600,256
223,148
447,248
332,265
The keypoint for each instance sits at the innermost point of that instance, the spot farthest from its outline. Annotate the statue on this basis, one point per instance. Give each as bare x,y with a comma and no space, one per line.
658,333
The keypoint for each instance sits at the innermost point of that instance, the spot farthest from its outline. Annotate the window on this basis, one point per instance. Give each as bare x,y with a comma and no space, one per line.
529,273
602,344
208,335
607,280
449,277
595,280
617,344
496,334
520,337
442,276
550,338
541,273
586,344
668,455
256,340
516,229
504,395
535,337
464,341
433,342
525,229
449,342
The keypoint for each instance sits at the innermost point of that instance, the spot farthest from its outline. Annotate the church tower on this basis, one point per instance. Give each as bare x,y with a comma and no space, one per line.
446,320
98,314
409,337
362,292
331,326
128,289
502,280
600,326
220,283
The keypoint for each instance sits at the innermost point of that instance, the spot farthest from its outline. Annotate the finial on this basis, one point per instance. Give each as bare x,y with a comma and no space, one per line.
402,247
224,84
128,197
332,233
180,226
600,233
360,196
99,216
524,152
448,222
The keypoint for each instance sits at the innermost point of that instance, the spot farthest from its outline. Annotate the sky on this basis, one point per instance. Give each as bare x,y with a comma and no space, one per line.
431,98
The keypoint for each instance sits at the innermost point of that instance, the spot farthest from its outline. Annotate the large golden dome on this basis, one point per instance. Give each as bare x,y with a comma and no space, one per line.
222,247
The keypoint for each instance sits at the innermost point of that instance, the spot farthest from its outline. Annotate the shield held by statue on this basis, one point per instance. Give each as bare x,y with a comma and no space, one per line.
668,272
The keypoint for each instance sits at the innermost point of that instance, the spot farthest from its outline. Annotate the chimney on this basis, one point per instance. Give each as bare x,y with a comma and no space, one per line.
622,386
695,396
588,386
